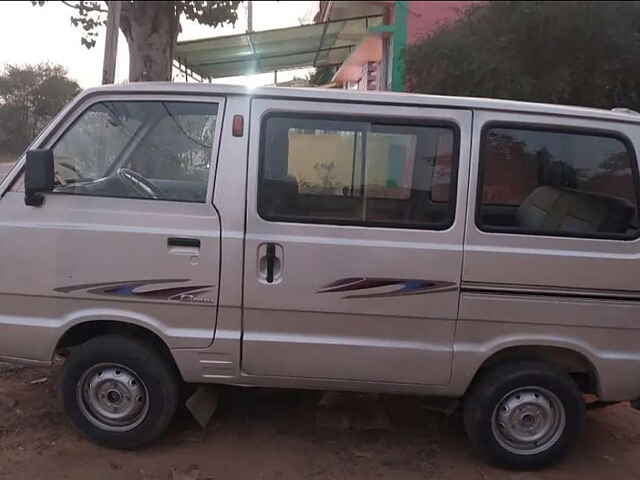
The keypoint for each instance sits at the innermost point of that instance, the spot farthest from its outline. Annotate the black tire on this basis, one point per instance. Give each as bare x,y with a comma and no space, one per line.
158,376
495,386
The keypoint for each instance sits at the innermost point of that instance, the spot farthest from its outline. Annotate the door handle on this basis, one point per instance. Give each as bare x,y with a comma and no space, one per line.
183,242
270,262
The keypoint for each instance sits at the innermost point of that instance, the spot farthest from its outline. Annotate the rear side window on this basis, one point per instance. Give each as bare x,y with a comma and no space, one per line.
318,170
541,181
138,149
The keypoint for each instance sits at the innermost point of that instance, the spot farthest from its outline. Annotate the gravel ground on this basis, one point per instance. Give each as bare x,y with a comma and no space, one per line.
286,434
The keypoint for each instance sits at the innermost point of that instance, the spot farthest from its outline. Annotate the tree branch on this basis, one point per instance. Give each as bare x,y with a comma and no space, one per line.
92,7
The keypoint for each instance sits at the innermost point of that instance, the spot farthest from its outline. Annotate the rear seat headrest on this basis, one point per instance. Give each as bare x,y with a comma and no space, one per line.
558,174
550,208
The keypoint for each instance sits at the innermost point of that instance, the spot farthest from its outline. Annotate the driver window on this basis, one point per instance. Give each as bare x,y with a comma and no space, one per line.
146,149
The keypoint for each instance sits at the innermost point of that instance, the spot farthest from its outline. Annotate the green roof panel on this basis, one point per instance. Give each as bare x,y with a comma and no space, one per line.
280,49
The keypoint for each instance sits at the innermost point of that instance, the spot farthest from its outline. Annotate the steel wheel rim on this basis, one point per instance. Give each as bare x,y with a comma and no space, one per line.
528,420
113,397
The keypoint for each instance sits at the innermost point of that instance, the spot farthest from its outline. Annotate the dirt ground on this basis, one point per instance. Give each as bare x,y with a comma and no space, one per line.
286,434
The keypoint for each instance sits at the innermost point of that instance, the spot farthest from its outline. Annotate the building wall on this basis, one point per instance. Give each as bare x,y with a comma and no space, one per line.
425,17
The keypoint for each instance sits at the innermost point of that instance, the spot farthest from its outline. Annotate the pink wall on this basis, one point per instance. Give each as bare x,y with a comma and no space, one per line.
425,17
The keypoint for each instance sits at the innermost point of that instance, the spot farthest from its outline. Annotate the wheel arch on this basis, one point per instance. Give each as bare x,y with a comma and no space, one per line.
575,363
86,330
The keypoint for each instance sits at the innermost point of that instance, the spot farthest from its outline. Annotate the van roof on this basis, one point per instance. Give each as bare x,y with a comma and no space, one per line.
340,95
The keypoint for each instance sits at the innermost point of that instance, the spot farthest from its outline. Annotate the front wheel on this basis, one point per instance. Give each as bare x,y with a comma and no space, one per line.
524,415
119,391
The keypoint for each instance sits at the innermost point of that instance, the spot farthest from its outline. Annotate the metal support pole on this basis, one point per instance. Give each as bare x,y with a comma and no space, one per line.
398,45
111,43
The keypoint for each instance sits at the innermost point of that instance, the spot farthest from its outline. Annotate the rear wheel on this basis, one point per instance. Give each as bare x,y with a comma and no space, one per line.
524,415
119,391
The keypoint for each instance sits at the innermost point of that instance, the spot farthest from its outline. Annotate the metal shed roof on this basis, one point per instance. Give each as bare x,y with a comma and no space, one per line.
317,44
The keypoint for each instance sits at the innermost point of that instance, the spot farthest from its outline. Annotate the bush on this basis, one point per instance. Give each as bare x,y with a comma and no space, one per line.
580,53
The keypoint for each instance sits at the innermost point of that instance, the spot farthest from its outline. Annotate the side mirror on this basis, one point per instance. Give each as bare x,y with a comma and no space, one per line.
38,176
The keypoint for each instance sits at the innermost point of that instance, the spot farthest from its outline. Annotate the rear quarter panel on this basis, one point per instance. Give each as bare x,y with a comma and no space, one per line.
576,293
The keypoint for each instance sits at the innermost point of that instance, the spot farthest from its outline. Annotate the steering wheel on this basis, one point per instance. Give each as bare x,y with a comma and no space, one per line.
140,184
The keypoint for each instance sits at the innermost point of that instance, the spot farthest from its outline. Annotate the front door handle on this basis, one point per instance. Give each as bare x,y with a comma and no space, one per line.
270,262
184,246
183,242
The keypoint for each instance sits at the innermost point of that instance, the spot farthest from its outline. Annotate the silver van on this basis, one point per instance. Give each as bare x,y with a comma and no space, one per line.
474,249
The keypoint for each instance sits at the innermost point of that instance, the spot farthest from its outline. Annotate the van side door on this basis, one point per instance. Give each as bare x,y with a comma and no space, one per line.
354,230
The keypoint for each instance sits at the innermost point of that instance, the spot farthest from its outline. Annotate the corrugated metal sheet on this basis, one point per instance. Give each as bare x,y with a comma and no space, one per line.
318,44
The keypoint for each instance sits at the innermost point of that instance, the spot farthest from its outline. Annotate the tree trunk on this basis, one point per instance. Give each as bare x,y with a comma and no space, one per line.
151,30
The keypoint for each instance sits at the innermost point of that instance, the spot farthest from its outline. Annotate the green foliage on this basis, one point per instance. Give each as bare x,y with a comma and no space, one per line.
208,13
30,96
580,53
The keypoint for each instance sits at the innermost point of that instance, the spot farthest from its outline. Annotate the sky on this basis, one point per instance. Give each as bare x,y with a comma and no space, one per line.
31,34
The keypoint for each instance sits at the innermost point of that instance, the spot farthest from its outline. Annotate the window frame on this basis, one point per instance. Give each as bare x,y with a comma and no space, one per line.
391,121
552,128
433,173
76,111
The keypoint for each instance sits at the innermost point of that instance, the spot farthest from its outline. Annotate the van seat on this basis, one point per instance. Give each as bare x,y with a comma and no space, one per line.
279,195
550,208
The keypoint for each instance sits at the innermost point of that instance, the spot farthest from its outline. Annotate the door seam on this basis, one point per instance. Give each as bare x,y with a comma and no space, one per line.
463,247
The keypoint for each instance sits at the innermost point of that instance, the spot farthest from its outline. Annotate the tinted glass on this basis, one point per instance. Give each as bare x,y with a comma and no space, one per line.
560,183
355,172
442,173
159,150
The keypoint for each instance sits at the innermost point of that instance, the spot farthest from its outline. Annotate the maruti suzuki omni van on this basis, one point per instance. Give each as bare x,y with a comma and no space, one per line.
473,249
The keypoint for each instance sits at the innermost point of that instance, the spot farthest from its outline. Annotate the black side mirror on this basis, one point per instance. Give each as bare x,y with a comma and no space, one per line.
38,176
